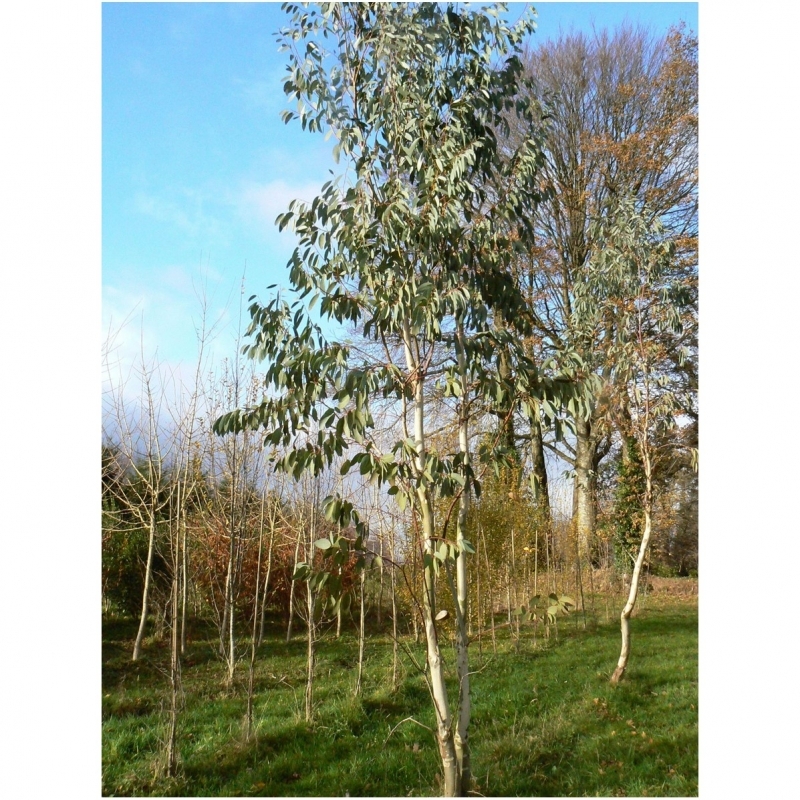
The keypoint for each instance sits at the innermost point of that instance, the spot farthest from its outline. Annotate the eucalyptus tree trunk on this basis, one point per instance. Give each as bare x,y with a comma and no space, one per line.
414,576
461,739
444,731
625,616
541,493
438,689
584,488
148,578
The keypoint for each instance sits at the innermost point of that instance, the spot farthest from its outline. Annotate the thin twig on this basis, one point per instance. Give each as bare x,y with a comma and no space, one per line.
408,719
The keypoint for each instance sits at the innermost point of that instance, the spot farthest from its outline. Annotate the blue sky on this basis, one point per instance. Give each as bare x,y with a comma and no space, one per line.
197,164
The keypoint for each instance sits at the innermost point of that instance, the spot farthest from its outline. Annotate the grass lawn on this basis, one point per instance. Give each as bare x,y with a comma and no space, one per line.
545,719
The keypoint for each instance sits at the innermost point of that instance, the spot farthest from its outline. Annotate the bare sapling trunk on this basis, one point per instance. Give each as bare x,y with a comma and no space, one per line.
175,673
310,655
625,616
508,592
175,653
148,577
231,643
513,585
491,592
253,643
479,598
395,632
184,585
312,628
272,525
380,592
292,585
361,621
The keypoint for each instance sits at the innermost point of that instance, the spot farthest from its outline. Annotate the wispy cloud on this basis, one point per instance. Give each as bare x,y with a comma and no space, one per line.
186,210
263,202
264,94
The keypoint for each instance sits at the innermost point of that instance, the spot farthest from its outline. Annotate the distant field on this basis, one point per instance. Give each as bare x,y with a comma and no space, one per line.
545,719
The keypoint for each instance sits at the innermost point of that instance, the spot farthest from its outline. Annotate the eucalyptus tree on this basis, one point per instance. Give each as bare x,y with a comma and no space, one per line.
621,118
408,245
631,279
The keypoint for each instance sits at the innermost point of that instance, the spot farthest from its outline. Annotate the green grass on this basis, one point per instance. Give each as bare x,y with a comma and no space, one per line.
545,719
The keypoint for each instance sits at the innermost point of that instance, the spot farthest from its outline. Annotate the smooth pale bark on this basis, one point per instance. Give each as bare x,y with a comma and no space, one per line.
584,488
184,584
178,519
438,689
444,731
148,576
230,652
513,588
311,598
625,616
252,669
414,578
508,591
461,739
272,526
310,655
229,600
541,491
175,667
380,593
361,621
224,626
292,585
395,655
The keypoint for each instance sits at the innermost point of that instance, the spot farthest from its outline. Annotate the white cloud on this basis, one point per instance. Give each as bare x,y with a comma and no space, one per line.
263,202
187,213
264,94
